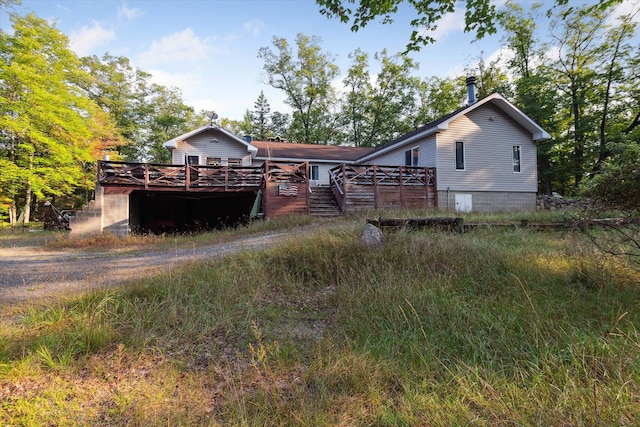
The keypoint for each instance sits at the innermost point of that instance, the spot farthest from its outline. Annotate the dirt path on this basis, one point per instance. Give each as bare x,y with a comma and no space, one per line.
30,274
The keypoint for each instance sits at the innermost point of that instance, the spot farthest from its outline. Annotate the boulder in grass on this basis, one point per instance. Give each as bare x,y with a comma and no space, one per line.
372,236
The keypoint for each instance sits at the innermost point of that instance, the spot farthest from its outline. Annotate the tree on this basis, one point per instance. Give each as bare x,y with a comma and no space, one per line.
121,91
590,74
615,186
439,97
359,92
378,112
280,123
305,77
49,129
146,113
490,78
260,117
479,16
169,117
535,91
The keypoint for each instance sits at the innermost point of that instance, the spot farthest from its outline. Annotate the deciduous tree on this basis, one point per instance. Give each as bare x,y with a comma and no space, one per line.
49,129
305,76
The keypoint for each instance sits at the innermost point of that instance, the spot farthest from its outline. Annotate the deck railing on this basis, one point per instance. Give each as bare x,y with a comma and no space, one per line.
193,177
336,184
374,186
384,175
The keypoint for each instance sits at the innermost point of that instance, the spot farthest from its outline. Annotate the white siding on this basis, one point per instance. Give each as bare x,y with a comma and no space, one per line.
489,136
396,157
203,146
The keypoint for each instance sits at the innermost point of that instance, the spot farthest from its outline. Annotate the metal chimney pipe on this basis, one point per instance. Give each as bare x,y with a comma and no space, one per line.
471,89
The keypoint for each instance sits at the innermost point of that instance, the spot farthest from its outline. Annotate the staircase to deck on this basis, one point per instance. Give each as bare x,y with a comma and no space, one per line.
88,220
323,203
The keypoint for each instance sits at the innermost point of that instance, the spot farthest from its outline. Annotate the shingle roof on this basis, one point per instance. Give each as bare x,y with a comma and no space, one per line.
290,150
421,129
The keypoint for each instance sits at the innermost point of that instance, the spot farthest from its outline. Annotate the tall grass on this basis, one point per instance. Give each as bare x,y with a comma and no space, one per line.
493,327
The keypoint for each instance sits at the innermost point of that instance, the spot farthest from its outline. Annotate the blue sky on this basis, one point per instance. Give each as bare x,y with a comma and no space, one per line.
208,48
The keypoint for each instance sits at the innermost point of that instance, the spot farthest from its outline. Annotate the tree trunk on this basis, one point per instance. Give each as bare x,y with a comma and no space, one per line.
27,203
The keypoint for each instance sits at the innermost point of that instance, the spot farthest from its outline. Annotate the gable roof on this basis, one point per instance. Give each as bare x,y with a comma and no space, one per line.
173,143
442,124
318,152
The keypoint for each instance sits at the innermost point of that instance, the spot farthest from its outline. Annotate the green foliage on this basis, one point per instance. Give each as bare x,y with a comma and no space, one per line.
260,118
49,131
305,76
146,114
616,185
480,16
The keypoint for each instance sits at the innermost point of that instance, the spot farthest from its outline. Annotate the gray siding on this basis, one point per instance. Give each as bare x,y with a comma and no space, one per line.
202,145
396,157
489,137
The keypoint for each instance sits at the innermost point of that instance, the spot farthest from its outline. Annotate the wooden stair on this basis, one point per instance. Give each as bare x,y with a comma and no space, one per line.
323,203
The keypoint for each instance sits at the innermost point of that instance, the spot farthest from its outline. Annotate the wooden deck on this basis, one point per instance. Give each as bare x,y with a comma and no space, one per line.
366,187
284,186
125,177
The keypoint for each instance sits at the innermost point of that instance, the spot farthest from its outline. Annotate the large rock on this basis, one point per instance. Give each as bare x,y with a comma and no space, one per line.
372,236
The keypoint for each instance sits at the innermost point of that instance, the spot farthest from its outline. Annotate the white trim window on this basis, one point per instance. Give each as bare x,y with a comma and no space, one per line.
412,157
517,160
314,172
459,155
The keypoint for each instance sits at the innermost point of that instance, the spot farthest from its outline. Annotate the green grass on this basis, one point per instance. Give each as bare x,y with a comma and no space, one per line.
492,327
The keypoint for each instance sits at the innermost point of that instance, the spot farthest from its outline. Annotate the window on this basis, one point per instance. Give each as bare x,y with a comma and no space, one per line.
193,160
214,161
412,157
459,155
314,172
516,159
234,162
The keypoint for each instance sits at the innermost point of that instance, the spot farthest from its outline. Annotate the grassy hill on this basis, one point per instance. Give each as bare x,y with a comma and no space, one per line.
491,327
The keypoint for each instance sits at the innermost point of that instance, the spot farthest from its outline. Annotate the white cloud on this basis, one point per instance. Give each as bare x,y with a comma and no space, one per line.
129,13
254,27
85,40
450,23
186,81
627,7
176,47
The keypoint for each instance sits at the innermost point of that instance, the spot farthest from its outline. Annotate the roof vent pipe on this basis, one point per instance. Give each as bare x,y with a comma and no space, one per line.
471,89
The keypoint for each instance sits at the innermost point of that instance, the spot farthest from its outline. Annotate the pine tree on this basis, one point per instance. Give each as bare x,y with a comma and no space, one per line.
260,118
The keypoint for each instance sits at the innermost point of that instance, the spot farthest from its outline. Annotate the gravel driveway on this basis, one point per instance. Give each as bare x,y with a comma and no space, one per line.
31,274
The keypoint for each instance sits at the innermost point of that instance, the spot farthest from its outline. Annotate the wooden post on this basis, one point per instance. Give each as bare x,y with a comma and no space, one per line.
375,186
401,187
146,176
187,175
307,190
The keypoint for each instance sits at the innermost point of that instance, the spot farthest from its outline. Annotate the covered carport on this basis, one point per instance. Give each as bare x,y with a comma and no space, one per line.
183,212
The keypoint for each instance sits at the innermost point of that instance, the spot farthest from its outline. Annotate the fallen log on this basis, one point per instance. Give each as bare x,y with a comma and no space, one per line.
452,224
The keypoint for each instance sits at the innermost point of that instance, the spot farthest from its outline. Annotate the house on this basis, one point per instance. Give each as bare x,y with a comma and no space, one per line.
484,154
481,157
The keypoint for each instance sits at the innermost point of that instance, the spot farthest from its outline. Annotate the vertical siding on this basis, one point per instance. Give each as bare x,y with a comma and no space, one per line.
489,136
396,157
202,145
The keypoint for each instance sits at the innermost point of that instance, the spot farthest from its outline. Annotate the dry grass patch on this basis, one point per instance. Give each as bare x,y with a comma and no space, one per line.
494,327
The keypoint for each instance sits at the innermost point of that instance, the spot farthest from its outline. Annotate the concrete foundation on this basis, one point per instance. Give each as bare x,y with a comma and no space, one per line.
489,201
107,213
